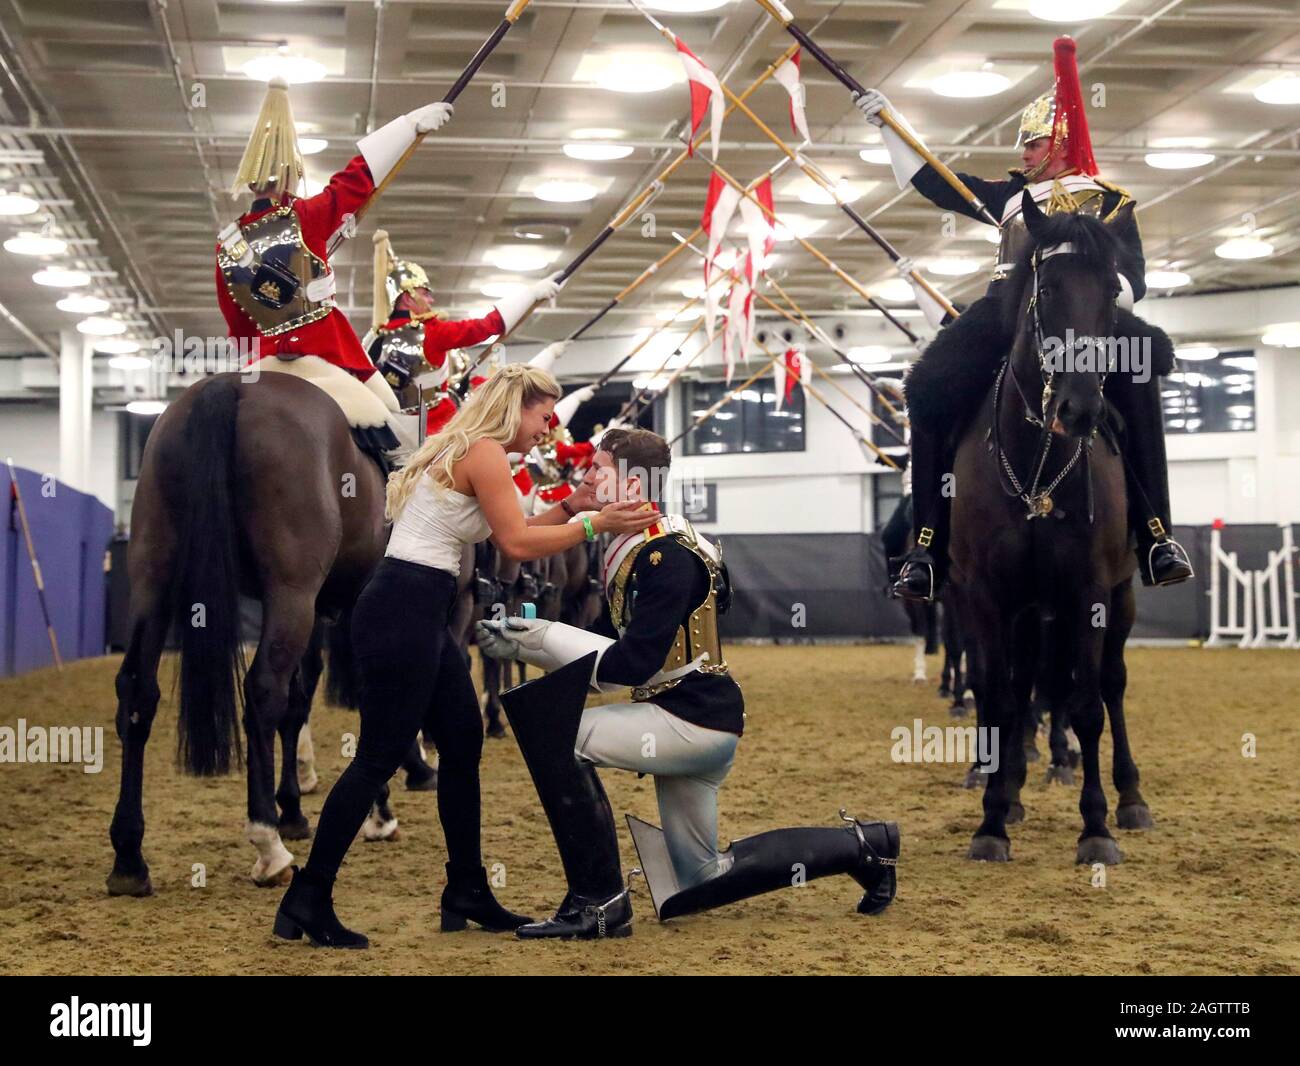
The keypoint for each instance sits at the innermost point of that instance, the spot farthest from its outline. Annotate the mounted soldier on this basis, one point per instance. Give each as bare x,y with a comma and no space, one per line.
946,386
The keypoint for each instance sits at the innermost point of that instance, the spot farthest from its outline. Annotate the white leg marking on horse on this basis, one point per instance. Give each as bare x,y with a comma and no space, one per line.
918,669
1073,741
376,827
273,856
307,779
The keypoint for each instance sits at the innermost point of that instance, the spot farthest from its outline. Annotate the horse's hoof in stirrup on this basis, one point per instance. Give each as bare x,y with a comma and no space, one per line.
1098,849
1167,564
989,849
1134,816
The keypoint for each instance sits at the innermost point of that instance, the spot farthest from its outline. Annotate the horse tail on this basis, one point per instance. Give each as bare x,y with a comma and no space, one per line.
342,684
207,604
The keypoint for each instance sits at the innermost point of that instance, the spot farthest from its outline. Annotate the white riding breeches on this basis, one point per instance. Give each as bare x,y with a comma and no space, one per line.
688,763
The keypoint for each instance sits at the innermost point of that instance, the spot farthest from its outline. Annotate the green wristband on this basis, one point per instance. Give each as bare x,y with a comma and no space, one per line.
586,524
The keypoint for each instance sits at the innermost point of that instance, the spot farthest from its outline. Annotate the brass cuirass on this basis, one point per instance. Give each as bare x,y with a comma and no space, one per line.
401,353
272,289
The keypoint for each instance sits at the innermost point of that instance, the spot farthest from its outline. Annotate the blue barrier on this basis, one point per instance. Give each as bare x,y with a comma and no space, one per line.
70,531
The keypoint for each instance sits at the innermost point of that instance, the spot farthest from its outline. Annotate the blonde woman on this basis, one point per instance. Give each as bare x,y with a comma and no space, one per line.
456,489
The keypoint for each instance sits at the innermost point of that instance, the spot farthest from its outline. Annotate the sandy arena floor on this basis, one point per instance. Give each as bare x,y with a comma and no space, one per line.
1214,888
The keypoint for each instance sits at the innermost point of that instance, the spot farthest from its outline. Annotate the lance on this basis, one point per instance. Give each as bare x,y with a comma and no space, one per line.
511,16
850,281
654,188
36,566
726,399
782,14
629,409
817,334
820,178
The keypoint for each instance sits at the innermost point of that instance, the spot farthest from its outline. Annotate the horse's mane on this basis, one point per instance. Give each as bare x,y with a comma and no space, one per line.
1091,238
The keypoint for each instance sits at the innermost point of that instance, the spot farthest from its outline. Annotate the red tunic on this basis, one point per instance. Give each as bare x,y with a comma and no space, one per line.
441,336
332,337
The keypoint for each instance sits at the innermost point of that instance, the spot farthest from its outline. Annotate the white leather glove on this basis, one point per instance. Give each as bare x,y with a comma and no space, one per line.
518,302
430,117
566,407
492,640
871,103
545,359
906,266
547,288
542,643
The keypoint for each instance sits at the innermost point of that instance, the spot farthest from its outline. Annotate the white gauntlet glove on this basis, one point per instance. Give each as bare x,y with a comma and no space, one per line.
542,643
871,103
515,304
568,406
545,359
906,266
383,148
431,117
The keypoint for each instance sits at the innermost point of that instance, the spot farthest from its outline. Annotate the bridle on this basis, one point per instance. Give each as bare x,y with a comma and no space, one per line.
1038,501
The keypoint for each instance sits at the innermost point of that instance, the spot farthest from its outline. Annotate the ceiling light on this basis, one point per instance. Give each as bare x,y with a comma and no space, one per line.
83,305
498,290
879,156
869,354
312,145
518,258
1240,362
651,384
101,327
685,7
1167,279
1244,248
12,203
596,152
811,192
1196,352
953,266
1071,10
116,346
894,291
565,191
638,72
969,84
991,234
61,278
1178,160
35,244
146,407
1281,90
1282,335
294,69
792,226
129,362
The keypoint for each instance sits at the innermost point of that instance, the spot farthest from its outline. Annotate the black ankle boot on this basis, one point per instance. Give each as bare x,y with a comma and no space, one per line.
584,919
308,907
1165,563
468,898
877,870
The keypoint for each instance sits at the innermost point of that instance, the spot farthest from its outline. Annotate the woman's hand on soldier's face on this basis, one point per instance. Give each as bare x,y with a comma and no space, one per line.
627,516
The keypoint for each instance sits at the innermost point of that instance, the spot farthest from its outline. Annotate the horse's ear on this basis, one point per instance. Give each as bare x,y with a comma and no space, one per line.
1033,215
1123,216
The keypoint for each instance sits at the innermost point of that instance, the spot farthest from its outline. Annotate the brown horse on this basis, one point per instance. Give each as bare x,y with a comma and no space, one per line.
1040,531
252,486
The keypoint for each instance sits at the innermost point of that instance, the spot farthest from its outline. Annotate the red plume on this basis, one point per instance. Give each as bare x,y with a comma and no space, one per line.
1070,126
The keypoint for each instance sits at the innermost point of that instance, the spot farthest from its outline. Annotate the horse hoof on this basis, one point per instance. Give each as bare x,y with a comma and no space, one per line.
275,880
120,884
919,679
375,830
1015,814
974,779
1098,849
945,693
295,829
1134,816
428,783
496,730
959,710
989,849
307,782
1061,775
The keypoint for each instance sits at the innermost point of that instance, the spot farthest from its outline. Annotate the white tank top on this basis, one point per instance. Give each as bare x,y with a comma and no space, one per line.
435,525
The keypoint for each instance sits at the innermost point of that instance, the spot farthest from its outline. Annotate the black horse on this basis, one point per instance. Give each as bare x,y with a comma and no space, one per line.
1040,531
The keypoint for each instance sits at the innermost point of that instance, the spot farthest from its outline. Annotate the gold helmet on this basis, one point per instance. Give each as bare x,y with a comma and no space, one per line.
1036,120
271,162
392,277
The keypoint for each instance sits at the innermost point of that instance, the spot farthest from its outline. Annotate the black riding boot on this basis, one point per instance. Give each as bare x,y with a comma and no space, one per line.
544,714
1161,559
468,898
866,851
308,907
921,570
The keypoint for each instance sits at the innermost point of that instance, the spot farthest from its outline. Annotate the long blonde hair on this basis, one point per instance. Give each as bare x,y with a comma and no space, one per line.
493,410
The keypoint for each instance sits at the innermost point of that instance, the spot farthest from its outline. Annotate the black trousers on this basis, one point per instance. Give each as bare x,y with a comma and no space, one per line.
412,677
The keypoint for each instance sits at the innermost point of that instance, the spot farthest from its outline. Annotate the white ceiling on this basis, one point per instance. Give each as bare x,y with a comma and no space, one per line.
89,92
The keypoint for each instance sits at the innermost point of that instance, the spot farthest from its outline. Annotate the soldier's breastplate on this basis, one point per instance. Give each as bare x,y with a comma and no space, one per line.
1015,234
401,354
273,276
